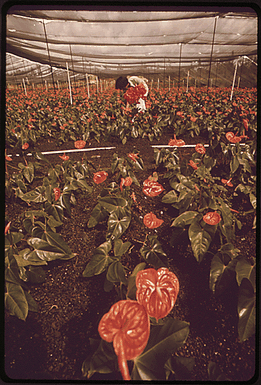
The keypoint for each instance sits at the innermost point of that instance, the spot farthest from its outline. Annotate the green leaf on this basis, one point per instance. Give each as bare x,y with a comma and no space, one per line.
180,367
104,360
214,373
131,290
246,310
37,195
57,241
244,269
118,223
184,219
164,340
55,210
112,203
222,273
153,253
98,215
252,198
46,251
24,259
35,274
170,197
65,200
15,301
32,305
100,260
28,172
116,273
120,248
200,240
234,164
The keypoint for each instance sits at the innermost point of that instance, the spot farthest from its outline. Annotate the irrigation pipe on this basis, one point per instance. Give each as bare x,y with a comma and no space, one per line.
111,148
77,150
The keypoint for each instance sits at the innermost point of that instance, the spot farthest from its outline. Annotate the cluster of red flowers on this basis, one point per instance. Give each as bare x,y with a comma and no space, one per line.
127,323
133,94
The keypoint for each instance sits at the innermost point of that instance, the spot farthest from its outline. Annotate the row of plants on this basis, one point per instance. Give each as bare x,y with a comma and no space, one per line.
208,113
204,210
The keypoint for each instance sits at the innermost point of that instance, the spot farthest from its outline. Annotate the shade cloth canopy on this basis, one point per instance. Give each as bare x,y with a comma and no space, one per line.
124,42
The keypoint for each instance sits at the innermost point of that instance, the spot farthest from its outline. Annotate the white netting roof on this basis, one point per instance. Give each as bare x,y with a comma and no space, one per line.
124,42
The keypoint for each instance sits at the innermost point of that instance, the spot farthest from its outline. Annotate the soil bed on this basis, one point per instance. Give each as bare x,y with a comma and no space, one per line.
53,343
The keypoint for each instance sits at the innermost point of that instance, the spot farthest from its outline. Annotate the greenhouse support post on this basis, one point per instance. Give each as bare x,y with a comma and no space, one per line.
69,83
87,82
233,84
97,84
49,57
25,91
180,48
187,82
212,47
169,83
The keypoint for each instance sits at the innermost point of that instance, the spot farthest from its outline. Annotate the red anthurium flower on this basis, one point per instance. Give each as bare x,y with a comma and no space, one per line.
64,157
212,218
200,148
57,193
193,164
193,118
100,176
7,227
152,188
127,325
232,137
25,146
227,182
245,122
176,142
125,182
157,291
79,144
151,221
133,157
8,158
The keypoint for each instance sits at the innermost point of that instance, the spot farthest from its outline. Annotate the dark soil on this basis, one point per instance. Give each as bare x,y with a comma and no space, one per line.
53,343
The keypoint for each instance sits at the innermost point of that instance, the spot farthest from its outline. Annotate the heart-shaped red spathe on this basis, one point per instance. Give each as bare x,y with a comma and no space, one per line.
151,221
212,218
157,291
79,144
127,325
100,176
152,188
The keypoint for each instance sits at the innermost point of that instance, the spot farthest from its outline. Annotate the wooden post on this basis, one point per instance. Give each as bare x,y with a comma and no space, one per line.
88,89
24,87
97,84
151,84
158,83
169,83
69,83
187,81
46,85
233,84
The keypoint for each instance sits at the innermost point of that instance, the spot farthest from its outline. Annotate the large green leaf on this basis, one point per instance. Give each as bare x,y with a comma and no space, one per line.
131,293
37,195
164,340
244,269
111,203
171,197
180,367
15,300
35,274
118,223
98,215
100,260
200,240
222,274
214,373
24,259
104,361
116,273
49,249
246,310
153,253
120,248
56,210
28,172
184,219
